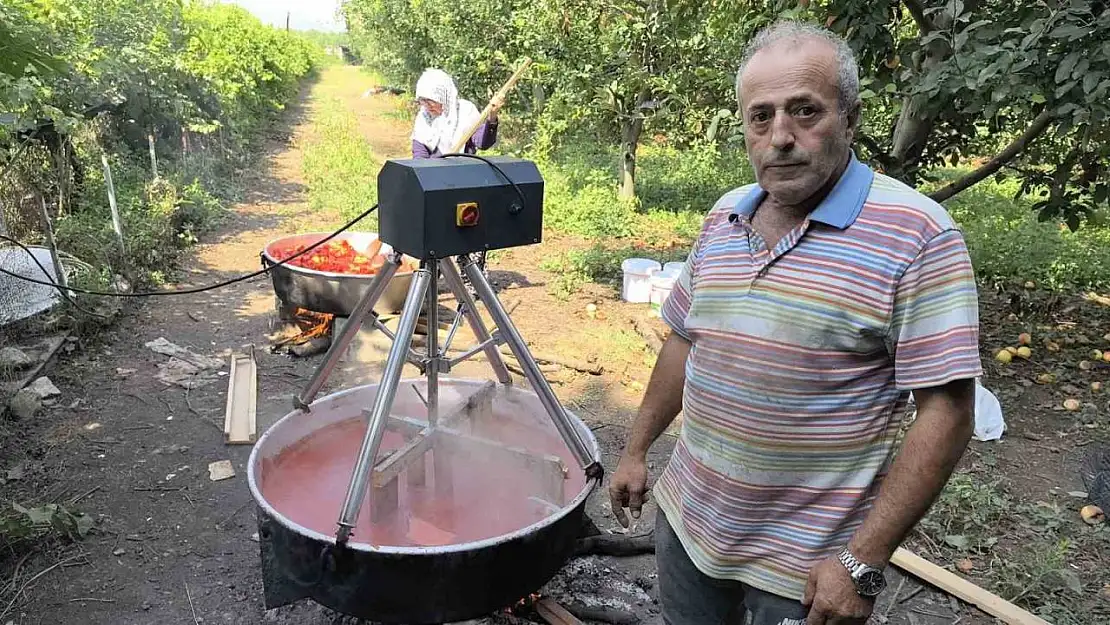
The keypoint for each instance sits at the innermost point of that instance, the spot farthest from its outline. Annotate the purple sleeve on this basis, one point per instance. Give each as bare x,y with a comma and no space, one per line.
485,136
419,150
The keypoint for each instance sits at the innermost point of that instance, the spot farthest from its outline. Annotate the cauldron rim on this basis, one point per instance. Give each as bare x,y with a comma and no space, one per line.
267,251
253,482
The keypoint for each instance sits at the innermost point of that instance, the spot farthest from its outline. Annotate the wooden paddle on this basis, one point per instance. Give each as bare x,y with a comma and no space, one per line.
498,98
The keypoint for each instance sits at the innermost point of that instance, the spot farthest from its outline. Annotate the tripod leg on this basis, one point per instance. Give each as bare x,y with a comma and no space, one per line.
364,309
383,404
477,326
432,368
531,370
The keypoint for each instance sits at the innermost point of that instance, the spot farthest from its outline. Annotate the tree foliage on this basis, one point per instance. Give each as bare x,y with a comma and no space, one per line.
1016,89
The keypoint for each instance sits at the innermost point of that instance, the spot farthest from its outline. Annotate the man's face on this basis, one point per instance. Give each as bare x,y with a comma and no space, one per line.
796,134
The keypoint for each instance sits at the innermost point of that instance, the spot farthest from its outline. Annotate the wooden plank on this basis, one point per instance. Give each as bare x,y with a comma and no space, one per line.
961,588
396,463
548,469
555,614
240,416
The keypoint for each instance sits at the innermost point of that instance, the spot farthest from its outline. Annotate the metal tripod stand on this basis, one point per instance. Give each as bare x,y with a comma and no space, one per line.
424,290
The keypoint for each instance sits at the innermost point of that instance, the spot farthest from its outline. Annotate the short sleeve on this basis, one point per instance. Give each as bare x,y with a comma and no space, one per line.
677,305
934,333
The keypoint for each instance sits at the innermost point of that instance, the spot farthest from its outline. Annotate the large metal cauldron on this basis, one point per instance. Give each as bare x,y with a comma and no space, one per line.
412,585
324,291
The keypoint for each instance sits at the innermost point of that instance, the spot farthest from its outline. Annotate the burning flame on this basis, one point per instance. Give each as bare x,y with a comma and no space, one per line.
312,325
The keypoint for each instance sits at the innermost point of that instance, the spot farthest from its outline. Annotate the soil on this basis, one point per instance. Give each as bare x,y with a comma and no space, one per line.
172,546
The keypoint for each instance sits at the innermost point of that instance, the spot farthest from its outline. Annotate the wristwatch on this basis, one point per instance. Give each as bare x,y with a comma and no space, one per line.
869,580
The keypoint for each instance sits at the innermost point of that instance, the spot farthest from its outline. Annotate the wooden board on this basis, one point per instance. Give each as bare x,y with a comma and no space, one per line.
240,426
554,613
961,588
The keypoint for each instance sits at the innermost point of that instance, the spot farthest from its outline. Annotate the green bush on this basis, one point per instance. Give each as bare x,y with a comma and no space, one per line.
1008,243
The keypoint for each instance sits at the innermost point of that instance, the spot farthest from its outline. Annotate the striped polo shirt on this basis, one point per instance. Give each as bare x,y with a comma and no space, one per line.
802,361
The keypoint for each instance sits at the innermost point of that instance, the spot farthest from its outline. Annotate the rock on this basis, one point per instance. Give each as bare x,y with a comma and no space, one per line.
166,348
119,552
13,358
24,404
221,470
44,388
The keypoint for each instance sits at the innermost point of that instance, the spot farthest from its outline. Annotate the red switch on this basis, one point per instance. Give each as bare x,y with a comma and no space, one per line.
466,214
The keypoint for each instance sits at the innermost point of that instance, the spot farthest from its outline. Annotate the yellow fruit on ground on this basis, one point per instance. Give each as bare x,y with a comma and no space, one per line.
1095,354
1013,350
1105,356
1085,365
1003,357
1071,404
1024,338
1092,514
1046,378
1024,352
1096,387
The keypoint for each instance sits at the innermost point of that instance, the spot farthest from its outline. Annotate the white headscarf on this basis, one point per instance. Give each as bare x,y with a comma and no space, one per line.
442,132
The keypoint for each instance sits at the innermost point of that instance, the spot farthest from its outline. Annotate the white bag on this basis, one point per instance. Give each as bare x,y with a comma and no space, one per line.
989,424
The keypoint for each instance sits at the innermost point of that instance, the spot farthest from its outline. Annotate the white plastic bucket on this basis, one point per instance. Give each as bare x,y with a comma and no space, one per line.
637,276
660,289
674,268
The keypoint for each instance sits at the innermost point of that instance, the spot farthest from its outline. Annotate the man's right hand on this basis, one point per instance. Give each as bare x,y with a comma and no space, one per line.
628,487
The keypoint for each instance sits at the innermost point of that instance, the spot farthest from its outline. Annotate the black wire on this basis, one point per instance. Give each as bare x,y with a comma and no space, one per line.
199,289
61,291
519,192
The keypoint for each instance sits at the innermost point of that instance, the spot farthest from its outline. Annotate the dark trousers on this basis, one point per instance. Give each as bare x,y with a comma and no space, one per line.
690,597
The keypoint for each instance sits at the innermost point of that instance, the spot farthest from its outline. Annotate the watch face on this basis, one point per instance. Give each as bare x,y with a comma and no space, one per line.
871,583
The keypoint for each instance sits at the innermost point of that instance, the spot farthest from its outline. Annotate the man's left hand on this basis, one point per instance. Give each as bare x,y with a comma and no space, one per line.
832,598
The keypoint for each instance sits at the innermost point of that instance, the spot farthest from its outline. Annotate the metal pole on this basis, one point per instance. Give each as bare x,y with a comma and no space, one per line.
153,156
531,370
383,404
470,311
339,344
432,369
52,245
116,224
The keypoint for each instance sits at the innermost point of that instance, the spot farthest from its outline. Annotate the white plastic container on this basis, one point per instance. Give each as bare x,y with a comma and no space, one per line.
637,276
675,268
660,286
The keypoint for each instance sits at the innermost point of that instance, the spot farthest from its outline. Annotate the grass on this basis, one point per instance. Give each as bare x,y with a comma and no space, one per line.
676,188
1033,564
340,168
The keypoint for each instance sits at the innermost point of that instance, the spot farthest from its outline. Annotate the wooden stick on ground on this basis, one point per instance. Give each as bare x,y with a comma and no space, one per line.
498,98
554,613
959,587
616,545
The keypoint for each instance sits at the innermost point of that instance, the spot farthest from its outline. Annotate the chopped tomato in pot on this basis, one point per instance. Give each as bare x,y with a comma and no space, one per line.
338,256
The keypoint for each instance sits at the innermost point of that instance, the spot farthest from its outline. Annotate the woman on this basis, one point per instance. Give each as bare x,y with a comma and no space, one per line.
444,117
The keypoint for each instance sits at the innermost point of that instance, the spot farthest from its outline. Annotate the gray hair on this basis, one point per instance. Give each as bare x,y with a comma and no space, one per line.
847,73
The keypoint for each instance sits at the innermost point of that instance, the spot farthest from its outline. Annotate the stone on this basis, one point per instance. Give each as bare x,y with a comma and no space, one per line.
24,404
13,358
44,388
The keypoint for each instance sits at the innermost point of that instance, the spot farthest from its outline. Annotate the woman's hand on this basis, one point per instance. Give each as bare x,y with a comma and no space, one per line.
495,107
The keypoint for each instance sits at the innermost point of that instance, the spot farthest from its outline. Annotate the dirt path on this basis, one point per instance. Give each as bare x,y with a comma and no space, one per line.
169,542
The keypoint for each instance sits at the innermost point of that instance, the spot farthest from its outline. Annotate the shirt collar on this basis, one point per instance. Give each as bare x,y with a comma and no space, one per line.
840,207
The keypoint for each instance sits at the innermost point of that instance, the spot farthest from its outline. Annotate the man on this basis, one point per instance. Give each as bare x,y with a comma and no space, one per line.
810,307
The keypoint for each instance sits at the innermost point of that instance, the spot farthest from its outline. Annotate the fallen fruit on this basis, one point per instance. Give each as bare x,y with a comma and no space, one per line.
1105,356
591,307
1030,284
1046,378
1106,337
1092,514
1024,352
1003,357
1071,404
1051,346
1095,354
1085,365
965,565
1096,387
1013,350
1024,338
